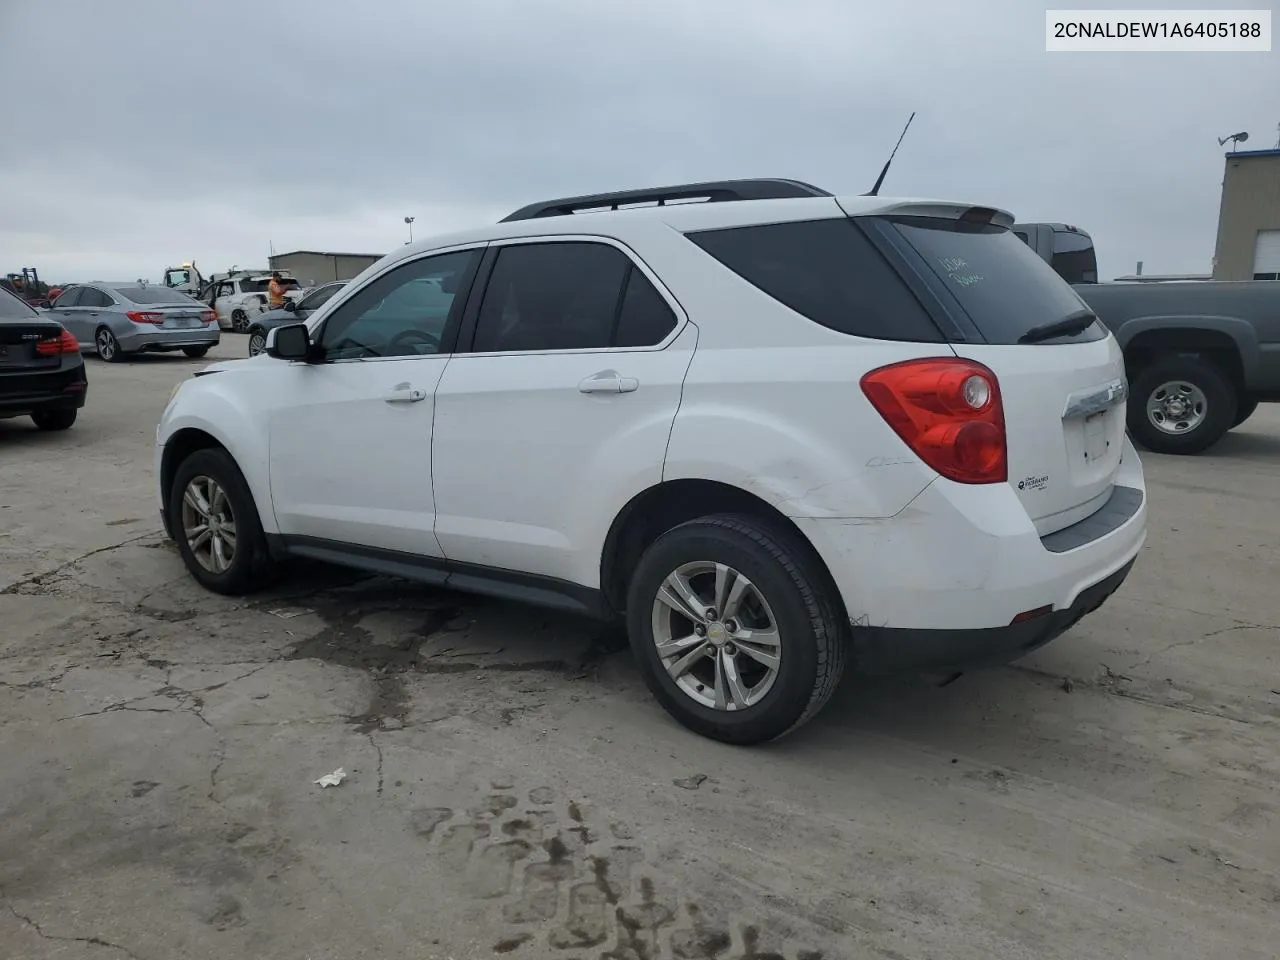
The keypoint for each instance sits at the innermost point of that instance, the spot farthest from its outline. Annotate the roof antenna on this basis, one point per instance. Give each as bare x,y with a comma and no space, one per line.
875,191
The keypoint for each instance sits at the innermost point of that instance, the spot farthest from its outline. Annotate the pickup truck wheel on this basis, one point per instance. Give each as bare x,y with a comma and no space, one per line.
1244,410
735,634
1181,405
216,525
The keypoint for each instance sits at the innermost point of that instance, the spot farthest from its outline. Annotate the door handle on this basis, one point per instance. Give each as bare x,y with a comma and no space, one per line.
403,393
608,381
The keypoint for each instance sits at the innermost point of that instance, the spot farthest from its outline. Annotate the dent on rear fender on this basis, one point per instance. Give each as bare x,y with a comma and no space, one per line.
879,488
802,458
919,548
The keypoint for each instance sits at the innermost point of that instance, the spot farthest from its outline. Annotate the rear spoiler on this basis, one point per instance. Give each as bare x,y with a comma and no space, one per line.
939,209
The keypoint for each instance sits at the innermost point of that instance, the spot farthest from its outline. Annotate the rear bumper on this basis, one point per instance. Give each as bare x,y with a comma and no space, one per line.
942,583
58,390
140,340
885,650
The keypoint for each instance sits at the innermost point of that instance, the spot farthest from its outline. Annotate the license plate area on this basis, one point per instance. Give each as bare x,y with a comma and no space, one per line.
181,323
14,355
1097,442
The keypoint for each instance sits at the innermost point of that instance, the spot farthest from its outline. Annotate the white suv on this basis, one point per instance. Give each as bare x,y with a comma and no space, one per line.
772,430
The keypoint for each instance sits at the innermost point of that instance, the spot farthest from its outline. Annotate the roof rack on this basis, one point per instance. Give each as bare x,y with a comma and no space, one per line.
713,192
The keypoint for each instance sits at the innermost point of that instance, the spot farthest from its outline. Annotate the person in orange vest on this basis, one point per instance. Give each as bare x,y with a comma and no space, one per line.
275,292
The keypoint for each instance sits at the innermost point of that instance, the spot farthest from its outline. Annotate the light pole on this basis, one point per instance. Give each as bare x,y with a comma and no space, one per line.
409,222
1235,140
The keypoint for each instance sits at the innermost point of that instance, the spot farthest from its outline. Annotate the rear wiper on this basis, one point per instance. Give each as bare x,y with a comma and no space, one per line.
1077,322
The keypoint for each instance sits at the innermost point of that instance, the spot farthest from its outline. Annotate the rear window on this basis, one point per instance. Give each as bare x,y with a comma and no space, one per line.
12,308
154,295
827,270
1074,258
1003,286
260,284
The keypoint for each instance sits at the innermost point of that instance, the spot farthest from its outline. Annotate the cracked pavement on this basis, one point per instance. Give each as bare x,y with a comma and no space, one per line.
512,790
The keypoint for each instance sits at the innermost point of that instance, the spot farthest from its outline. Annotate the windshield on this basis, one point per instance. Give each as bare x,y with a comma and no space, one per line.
1004,287
12,308
176,277
154,295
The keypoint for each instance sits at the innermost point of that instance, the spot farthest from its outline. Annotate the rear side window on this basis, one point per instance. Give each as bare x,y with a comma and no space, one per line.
826,270
1003,286
92,297
551,296
569,295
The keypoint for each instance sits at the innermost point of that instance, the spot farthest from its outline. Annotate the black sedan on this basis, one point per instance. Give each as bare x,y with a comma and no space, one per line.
291,312
42,374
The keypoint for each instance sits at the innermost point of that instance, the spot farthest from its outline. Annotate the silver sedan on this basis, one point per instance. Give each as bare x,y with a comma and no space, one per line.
119,319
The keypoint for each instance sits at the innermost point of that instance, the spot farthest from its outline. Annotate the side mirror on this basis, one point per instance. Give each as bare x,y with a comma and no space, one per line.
290,305
290,342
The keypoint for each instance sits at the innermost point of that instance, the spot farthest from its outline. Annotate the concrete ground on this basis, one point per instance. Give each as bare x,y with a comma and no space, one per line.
512,790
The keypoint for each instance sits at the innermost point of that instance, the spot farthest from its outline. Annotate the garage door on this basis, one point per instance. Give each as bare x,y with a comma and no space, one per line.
1266,255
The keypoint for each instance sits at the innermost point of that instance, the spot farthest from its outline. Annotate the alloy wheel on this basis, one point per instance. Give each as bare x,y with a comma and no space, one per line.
716,636
257,344
106,345
209,524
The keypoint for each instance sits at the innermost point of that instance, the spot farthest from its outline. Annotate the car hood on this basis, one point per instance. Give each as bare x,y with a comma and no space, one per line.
227,366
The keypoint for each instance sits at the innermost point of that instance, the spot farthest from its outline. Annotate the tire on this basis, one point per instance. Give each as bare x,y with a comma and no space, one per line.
54,419
195,353
1244,410
239,320
249,566
797,598
1204,410
257,342
108,346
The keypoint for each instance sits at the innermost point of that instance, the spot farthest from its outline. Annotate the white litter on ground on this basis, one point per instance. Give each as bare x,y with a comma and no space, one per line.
332,779
288,613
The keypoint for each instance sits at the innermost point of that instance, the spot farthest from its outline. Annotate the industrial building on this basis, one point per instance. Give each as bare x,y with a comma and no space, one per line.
1249,219
314,267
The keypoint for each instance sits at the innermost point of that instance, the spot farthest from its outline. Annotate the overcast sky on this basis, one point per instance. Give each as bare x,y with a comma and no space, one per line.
141,133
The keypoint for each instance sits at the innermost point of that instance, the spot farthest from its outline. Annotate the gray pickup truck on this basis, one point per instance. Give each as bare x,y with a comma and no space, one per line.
1200,355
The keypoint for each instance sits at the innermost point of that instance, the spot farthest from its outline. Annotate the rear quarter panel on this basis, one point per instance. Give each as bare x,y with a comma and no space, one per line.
772,402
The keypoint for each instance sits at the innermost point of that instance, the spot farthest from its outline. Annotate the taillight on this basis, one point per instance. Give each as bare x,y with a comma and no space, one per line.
65,342
208,316
948,411
143,316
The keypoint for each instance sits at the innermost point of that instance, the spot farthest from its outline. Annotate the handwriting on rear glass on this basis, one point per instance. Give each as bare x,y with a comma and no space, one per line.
959,271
